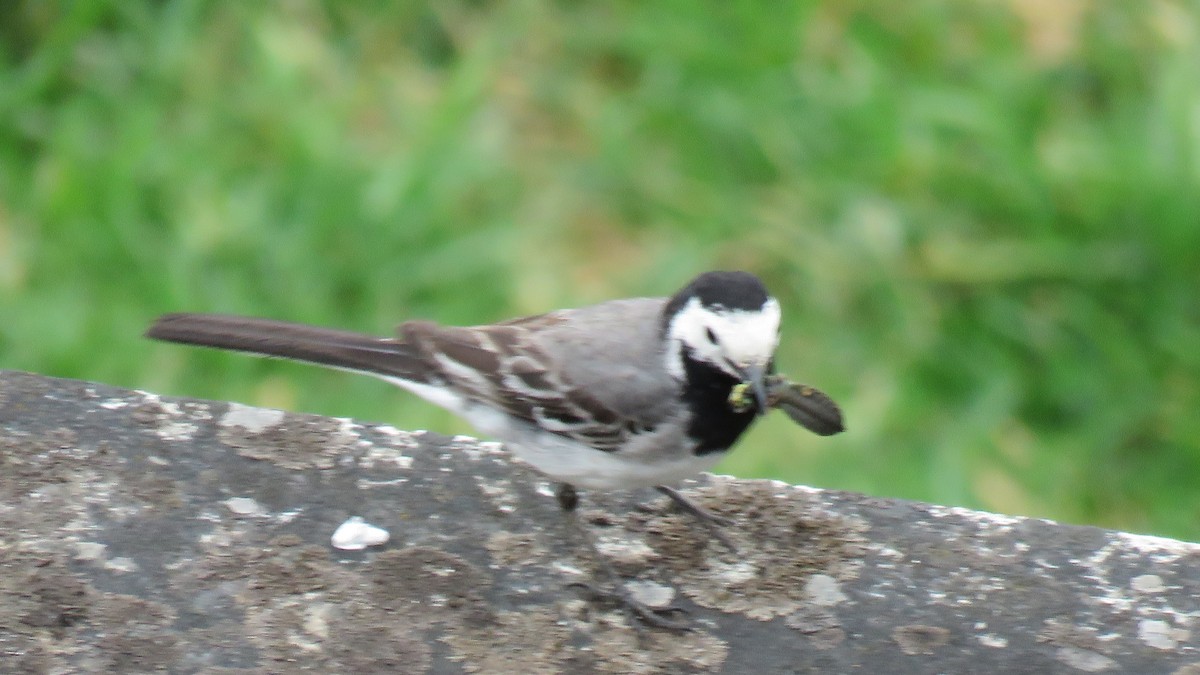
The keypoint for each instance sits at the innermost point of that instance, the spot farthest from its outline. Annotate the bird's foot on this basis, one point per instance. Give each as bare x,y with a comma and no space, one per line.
711,521
637,611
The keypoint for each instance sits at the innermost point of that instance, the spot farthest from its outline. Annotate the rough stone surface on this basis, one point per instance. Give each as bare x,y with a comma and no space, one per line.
140,533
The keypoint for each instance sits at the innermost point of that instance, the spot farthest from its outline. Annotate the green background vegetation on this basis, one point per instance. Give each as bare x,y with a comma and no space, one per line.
981,218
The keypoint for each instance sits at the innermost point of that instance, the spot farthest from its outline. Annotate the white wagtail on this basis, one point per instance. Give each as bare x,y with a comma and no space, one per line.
624,394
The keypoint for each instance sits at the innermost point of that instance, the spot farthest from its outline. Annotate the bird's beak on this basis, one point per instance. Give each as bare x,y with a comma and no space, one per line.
756,376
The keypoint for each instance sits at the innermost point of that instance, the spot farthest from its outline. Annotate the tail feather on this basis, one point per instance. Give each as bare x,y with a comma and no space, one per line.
266,337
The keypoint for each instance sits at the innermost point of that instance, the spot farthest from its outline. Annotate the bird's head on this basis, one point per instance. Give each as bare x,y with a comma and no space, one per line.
727,321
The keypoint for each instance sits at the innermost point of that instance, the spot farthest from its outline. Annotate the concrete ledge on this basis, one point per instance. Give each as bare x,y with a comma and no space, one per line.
140,533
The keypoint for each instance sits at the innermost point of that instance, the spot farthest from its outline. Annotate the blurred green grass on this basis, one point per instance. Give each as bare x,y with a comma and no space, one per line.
982,219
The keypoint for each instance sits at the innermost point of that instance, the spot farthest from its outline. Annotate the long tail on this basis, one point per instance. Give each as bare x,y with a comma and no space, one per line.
265,337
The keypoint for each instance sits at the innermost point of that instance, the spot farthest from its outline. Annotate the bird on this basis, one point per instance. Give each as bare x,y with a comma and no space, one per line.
623,394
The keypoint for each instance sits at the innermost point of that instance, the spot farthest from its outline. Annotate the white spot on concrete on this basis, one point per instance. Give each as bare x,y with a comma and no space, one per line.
569,570
994,641
114,404
89,550
1085,659
980,517
403,439
650,593
289,516
626,551
216,539
201,412
316,619
737,573
121,564
244,506
176,431
306,645
169,407
887,552
802,489
1167,550
384,455
500,493
476,450
254,420
1123,546
1147,583
365,484
356,534
823,590
170,430
1160,634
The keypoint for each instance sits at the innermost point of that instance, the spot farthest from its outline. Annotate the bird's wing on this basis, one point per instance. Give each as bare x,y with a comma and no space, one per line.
531,368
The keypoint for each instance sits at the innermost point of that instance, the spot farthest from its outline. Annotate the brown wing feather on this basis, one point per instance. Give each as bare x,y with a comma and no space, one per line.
500,366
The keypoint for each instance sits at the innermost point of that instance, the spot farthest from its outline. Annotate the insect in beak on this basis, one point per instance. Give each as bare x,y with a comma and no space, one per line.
754,379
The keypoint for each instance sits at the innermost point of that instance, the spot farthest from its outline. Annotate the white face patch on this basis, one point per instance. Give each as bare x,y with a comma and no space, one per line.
742,337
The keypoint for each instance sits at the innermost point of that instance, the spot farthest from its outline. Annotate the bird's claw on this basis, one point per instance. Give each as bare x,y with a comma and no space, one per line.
637,610
711,521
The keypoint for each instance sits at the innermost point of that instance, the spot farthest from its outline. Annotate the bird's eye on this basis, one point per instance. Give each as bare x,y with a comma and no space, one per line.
712,337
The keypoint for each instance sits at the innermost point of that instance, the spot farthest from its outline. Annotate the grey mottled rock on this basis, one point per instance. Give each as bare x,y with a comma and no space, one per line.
140,533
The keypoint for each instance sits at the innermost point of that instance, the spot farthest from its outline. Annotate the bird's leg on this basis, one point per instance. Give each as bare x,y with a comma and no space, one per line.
693,508
710,520
568,499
